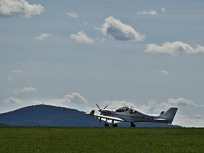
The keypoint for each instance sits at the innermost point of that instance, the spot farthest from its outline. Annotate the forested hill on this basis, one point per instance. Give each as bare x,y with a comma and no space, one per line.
46,115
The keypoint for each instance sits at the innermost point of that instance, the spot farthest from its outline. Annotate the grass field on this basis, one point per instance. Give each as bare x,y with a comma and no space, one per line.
101,140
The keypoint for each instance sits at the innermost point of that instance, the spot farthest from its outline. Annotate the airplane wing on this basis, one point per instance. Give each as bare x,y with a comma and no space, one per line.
161,120
109,118
105,117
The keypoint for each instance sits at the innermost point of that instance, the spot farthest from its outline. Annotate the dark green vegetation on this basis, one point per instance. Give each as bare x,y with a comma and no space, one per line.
137,140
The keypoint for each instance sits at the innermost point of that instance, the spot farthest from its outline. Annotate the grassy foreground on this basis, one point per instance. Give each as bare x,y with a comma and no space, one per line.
100,140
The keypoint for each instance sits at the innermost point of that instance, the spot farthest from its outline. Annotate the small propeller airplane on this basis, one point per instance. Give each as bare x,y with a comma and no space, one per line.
128,114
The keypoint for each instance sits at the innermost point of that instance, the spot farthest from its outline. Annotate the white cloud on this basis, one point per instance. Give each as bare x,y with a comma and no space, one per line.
163,72
198,116
148,12
181,102
25,90
73,14
152,12
13,100
192,120
19,7
151,107
120,31
18,72
154,106
163,10
174,48
43,36
75,98
69,99
81,37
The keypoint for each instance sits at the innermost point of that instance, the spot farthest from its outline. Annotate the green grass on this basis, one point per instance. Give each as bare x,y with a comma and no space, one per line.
101,140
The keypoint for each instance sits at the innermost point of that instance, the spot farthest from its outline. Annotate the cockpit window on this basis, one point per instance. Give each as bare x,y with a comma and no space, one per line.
123,109
133,111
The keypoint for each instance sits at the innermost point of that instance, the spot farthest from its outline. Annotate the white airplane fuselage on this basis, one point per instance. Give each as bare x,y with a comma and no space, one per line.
130,115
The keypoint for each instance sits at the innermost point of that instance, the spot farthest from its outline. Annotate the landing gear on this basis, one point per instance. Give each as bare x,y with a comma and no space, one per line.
132,124
106,125
115,125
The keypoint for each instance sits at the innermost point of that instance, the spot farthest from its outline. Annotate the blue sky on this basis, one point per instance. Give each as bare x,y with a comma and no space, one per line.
143,53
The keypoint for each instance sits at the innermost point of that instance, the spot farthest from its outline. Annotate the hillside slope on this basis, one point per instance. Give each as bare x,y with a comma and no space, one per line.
46,115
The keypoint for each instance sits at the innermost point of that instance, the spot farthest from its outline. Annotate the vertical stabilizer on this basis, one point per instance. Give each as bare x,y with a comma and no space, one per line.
169,114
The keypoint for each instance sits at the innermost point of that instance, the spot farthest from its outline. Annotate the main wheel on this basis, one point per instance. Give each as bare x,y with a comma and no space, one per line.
106,125
132,124
115,125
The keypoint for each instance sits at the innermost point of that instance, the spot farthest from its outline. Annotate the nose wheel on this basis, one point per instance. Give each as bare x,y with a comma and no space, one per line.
132,124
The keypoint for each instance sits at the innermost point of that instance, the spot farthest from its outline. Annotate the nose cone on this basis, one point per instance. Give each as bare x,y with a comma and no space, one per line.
105,112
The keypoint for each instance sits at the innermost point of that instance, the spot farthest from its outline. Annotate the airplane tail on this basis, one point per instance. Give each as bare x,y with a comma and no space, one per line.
91,113
169,114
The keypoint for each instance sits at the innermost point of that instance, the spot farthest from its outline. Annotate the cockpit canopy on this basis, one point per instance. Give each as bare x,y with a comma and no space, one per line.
123,109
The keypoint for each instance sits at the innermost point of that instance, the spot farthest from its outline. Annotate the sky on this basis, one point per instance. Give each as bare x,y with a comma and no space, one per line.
147,54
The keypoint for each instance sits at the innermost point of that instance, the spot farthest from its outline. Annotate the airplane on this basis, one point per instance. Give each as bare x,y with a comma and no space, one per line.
128,114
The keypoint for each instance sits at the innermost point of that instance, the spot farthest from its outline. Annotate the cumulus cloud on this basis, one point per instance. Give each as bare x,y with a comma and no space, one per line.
13,74
191,120
181,102
163,10
69,100
152,12
82,38
17,74
25,90
19,7
174,48
120,31
20,72
148,12
154,106
73,14
75,98
13,100
43,36
163,72
151,107
198,116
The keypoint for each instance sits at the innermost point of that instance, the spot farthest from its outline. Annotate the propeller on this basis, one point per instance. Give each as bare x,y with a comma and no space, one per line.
100,108
105,107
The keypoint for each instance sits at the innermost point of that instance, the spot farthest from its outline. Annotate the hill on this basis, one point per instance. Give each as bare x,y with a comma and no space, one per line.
46,115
